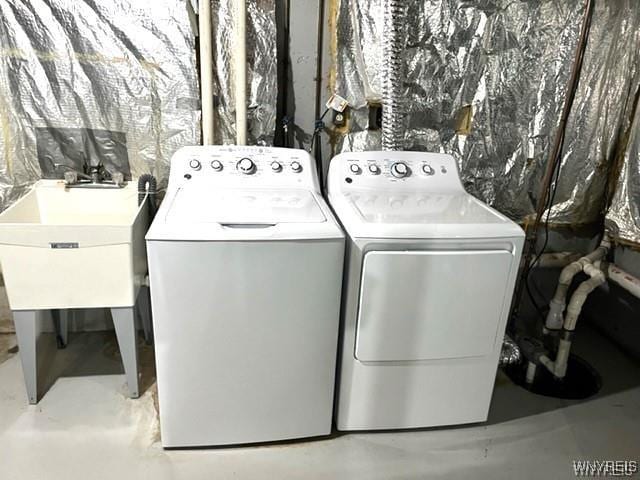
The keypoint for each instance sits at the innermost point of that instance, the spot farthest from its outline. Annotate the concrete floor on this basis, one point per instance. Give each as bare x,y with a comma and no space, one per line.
85,427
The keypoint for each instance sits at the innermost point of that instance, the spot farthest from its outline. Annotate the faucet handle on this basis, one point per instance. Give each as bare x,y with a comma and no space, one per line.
70,177
118,178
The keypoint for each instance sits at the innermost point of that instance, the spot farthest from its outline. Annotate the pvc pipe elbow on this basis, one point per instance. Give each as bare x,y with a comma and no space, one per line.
580,296
570,271
555,317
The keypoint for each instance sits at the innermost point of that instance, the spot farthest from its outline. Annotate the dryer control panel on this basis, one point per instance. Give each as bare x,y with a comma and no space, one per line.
232,165
395,171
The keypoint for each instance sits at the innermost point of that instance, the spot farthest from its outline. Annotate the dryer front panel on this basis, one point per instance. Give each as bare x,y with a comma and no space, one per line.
429,305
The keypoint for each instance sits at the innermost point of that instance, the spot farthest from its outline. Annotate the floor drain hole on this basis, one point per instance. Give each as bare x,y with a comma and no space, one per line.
582,380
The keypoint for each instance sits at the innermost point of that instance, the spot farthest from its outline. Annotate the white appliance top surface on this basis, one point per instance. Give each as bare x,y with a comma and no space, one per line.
250,206
409,195
416,207
227,192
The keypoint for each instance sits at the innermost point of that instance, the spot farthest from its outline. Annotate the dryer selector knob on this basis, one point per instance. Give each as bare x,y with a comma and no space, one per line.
195,164
399,170
246,166
216,165
428,169
296,167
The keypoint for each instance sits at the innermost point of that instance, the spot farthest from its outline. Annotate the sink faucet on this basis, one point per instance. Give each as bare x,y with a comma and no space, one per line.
97,173
97,176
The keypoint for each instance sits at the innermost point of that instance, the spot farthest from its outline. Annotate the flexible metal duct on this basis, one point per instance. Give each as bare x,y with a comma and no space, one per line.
392,89
510,352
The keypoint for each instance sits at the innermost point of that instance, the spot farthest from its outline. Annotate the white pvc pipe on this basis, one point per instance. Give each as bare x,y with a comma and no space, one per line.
240,55
556,259
596,278
206,70
531,372
555,316
627,281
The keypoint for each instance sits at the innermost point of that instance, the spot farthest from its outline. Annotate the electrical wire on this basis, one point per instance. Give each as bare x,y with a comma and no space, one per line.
317,129
552,180
551,197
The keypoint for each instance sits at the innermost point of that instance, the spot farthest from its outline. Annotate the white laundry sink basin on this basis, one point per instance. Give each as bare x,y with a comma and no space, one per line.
73,247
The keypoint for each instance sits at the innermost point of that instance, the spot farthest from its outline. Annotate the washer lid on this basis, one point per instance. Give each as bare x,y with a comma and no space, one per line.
199,204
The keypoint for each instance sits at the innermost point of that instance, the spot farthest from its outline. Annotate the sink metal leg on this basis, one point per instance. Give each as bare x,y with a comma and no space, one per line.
61,326
65,317
124,323
144,310
27,332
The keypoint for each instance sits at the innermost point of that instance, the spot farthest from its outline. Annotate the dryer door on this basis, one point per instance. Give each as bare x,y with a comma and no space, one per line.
423,305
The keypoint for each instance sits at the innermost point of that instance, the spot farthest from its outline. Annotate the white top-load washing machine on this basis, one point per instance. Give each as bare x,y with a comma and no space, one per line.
429,277
245,263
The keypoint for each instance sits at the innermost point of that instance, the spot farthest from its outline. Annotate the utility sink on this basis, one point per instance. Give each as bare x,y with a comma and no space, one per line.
63,248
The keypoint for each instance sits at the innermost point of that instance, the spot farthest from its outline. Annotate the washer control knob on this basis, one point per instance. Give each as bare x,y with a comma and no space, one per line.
296,167
246,165
428,169
216,165
276,166
399,170
355,169
374,169
195,164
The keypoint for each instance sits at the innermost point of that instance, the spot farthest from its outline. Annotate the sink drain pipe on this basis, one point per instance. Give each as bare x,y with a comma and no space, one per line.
147,186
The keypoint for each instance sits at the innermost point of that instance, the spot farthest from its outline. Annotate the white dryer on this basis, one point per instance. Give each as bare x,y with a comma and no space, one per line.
429,277
245,263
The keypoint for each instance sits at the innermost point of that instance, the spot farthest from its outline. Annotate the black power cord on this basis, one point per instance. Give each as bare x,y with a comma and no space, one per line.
550,199
550,192
317,129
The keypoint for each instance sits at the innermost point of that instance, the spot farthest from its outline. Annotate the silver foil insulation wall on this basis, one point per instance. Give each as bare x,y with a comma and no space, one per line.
485,81
123,71
623,217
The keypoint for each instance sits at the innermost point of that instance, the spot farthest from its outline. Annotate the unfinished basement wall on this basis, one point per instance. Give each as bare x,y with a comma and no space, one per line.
69,67
486,81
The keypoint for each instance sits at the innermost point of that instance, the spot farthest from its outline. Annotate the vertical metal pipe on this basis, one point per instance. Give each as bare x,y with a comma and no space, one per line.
393,105
206,70
240,55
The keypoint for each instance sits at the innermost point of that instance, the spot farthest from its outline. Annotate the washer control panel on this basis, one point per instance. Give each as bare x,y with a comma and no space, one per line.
231,165
402,171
